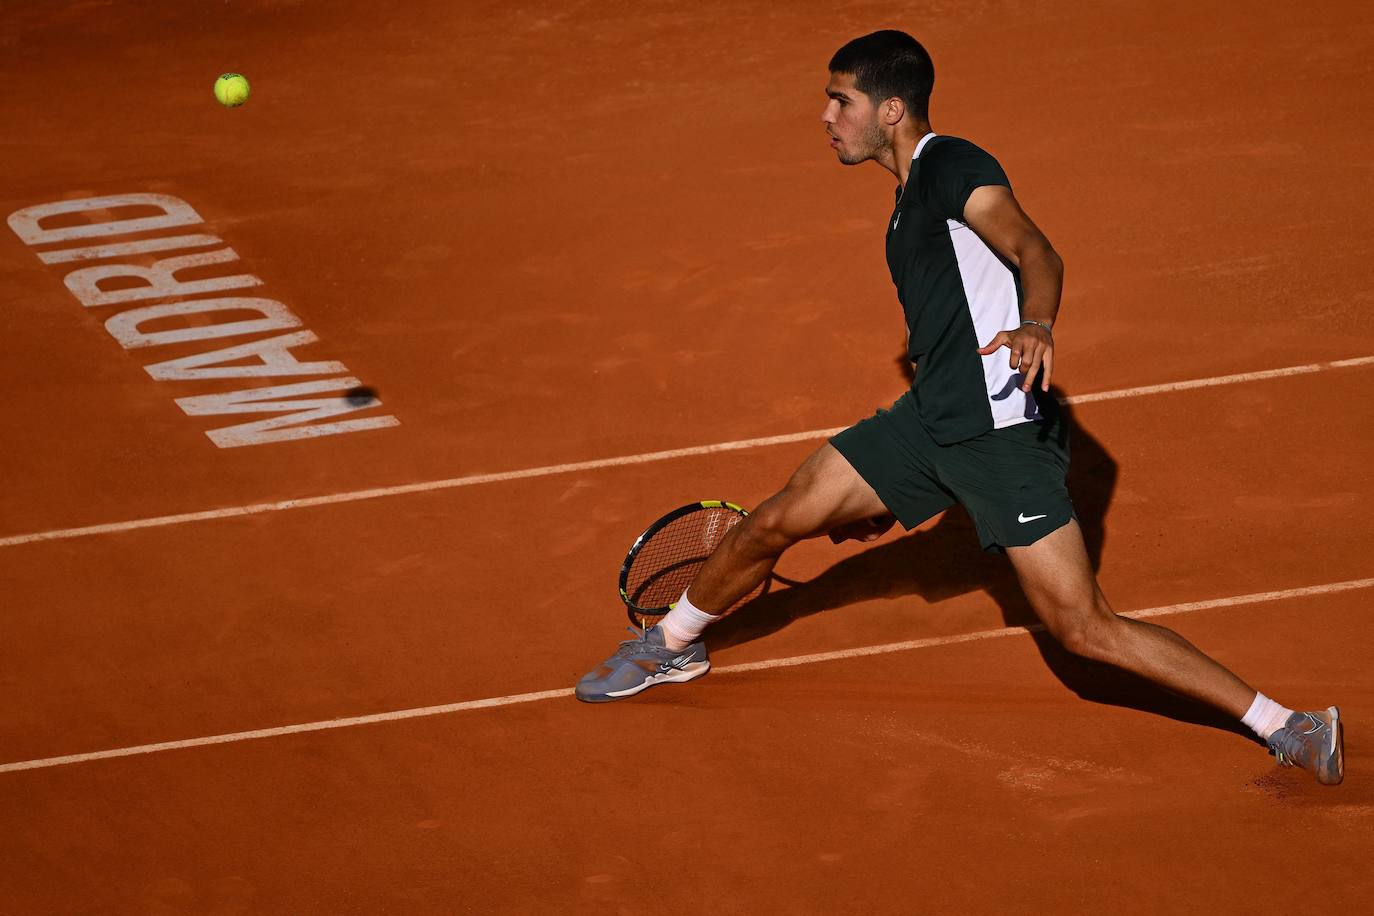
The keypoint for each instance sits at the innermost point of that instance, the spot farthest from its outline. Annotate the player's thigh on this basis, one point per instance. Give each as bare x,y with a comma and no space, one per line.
823,493
1057,577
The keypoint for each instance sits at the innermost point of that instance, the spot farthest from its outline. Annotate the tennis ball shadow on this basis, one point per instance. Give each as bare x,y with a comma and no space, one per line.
361,396
945,561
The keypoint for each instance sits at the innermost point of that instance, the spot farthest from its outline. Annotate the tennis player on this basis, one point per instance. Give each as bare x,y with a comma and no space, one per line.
979,285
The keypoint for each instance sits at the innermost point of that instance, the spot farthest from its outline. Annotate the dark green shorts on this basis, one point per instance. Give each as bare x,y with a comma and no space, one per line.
1010,480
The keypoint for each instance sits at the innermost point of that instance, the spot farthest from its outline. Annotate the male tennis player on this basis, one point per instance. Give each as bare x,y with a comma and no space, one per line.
975,277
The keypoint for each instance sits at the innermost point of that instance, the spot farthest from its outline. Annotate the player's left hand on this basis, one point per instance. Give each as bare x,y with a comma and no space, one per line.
865,529
1032,349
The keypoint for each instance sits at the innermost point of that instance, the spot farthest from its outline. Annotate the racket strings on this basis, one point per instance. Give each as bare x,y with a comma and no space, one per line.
668,562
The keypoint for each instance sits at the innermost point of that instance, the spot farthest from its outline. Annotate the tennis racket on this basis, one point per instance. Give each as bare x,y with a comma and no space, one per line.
667,556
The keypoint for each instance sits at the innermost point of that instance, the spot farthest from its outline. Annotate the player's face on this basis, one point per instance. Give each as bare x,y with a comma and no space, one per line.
851,120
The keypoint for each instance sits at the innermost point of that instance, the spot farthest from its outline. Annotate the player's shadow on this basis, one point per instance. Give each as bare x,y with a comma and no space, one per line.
945,561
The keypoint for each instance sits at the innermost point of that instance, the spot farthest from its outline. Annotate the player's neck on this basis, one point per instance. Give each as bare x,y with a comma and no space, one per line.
903,148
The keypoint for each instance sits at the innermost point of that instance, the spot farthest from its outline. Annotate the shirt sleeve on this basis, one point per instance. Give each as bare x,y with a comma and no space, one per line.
956,168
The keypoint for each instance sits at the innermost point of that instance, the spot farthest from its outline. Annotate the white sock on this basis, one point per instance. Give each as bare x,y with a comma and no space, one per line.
1265,716
684,624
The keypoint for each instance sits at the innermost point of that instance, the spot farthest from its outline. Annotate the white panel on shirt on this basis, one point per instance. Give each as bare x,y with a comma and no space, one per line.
991,293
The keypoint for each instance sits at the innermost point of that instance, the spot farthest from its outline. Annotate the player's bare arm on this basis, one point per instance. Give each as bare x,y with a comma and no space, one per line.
993,212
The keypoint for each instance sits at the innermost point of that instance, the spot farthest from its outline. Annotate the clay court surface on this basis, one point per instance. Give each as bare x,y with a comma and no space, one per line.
554,234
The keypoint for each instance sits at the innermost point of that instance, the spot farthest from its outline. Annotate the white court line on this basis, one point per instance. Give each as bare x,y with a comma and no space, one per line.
549,470
1219,380
513,699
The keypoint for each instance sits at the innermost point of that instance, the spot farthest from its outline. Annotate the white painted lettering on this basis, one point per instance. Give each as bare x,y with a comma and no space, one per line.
273,354
280,429
175,212
161,282
124,327
119,249
175,322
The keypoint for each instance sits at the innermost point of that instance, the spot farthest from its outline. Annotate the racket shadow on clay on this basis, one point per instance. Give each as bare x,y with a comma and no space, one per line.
944,561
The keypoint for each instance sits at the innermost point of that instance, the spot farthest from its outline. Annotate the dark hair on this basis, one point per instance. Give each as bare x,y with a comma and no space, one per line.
886,64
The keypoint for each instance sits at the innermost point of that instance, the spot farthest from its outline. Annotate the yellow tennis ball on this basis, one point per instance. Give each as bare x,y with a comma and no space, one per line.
231,89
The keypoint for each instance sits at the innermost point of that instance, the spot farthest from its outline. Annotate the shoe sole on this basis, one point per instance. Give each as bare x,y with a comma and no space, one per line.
676,676
1336,749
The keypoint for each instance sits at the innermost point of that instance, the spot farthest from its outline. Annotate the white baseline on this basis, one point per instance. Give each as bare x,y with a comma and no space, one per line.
513,699
549,470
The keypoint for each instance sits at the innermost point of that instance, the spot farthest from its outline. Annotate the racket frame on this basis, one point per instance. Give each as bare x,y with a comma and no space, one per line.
636,613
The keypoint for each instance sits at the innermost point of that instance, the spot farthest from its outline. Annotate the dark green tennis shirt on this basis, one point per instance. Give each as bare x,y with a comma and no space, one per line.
956,293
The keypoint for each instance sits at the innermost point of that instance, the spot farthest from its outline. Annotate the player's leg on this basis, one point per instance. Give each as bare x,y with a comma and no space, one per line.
856,486
824,494
1059,583
1058,580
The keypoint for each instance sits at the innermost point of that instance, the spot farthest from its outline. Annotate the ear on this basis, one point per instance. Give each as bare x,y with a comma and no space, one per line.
892,111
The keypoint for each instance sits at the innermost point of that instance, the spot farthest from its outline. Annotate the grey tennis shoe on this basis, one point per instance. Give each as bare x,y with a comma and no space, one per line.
641,663
1314,741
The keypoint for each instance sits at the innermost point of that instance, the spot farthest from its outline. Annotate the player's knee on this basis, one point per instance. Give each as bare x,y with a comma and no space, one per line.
768,529
1088,635
1074,638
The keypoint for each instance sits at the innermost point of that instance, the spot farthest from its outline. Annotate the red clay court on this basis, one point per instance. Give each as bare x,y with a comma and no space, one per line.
508,283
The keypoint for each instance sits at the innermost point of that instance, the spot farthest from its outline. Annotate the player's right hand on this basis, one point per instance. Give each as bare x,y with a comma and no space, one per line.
865,529
1032,349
